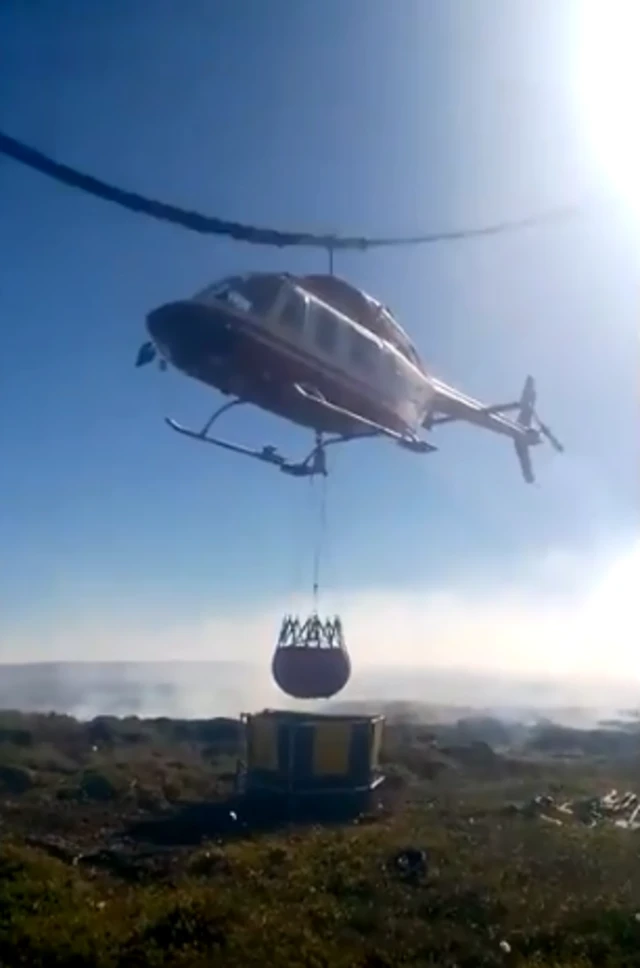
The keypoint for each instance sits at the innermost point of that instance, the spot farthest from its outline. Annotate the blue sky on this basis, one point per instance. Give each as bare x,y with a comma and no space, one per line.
357,117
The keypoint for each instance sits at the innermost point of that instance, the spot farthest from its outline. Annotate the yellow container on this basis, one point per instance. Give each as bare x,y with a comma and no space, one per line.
301,753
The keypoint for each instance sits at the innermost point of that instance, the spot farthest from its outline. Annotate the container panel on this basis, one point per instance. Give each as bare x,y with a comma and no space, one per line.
263,744
332,748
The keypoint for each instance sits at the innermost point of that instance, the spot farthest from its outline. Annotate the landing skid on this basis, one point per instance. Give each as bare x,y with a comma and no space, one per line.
315,463
376,430
267,454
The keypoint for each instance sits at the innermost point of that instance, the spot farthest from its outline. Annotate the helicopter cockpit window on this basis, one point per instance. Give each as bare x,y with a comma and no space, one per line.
236,298
293,311
226,290
249,294
261,293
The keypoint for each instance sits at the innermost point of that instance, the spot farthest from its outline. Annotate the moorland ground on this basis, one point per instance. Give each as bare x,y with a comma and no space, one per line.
112,853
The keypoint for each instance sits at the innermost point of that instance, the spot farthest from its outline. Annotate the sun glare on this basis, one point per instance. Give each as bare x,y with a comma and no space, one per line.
608,85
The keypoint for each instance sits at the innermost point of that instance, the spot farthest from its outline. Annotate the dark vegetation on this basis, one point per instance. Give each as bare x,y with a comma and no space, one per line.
117,848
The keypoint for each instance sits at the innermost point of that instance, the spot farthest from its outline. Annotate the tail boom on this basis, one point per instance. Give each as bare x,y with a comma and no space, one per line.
450,405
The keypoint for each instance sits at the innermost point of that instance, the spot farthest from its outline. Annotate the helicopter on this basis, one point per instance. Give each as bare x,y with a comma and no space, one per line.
323,354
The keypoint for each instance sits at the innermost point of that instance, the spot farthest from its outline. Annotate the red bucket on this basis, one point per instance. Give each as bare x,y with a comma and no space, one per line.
307,672
311,660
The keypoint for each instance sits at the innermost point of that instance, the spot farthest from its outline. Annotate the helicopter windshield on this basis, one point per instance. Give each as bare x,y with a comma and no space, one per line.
254,294
227,290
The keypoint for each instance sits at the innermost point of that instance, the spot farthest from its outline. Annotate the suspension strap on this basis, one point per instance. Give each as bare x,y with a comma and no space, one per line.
319,542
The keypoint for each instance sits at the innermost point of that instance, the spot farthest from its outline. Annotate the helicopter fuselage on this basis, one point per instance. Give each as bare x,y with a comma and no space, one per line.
260,336
322,354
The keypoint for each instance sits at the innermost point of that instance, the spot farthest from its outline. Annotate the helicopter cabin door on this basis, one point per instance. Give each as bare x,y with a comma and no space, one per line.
405,387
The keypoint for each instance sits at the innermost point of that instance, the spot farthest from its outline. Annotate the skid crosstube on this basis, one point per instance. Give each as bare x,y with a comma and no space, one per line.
314,464
311,466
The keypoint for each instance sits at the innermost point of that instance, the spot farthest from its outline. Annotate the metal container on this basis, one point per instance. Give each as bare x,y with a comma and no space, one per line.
302,754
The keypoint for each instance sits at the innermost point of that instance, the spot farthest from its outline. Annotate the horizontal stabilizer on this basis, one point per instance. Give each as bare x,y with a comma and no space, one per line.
146,354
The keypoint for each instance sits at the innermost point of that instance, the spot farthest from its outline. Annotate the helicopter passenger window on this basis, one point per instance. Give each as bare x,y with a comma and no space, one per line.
293,311
325,328
362,351
392,383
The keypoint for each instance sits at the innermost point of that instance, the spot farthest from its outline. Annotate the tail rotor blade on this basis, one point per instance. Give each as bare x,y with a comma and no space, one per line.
553,440
524,458
527,402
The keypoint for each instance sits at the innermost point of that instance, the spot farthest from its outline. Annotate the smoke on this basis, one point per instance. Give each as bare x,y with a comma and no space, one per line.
563,631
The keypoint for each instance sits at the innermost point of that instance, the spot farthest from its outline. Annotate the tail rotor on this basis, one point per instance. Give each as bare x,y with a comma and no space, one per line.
534,430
